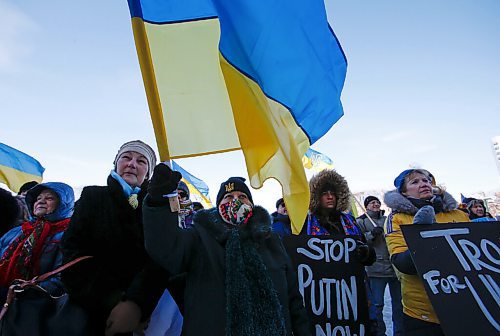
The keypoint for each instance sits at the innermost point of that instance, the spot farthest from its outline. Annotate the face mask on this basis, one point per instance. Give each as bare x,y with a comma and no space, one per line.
235,212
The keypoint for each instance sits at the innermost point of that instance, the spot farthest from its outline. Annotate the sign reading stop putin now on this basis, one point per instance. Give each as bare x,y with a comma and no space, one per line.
332,283
459,264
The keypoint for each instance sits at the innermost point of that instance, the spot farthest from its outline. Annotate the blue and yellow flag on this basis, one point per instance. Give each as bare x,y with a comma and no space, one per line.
197,188
261,76
316,161
17,168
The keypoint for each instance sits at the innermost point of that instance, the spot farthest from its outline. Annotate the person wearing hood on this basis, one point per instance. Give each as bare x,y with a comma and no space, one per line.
381,274
186,211
120,286
328,212
239,278
33,248
477,211
416,200
281,220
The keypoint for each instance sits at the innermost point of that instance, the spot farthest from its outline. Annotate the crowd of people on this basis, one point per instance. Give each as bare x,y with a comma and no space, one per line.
162,265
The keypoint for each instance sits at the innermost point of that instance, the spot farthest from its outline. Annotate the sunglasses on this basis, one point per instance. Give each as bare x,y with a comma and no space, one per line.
183,194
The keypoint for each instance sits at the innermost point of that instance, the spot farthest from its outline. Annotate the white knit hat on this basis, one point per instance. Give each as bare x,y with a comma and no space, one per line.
139,147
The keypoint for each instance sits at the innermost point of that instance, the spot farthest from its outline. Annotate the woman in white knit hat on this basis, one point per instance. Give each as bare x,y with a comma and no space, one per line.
119,286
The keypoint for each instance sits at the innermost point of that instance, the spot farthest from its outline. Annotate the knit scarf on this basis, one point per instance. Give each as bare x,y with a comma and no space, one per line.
314,227
253,307
21,260
128,191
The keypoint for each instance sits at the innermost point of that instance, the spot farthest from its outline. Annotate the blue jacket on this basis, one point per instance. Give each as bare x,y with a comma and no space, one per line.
281,224
51,257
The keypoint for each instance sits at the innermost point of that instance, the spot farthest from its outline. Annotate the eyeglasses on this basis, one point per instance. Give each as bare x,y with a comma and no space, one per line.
182,194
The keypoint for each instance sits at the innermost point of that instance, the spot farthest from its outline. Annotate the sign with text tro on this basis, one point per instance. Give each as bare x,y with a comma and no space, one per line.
331,281
459,264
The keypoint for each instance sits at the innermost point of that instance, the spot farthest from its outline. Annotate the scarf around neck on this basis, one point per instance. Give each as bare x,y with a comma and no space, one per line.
436,202
128,191
253,307
21,260
314,227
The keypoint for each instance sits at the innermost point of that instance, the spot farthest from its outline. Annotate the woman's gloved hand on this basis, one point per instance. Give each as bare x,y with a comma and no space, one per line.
163,182
425,215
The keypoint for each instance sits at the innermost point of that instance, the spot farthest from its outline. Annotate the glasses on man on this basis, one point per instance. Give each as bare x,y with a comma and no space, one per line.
183,194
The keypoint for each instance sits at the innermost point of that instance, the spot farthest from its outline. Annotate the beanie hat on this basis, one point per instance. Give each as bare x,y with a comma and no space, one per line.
369,199
279,202
141,148
234,183
183,186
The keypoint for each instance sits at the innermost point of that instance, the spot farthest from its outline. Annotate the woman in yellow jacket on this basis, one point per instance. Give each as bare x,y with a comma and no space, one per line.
416,200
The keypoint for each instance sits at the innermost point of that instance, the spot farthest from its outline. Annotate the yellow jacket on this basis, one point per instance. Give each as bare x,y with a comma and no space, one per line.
416,303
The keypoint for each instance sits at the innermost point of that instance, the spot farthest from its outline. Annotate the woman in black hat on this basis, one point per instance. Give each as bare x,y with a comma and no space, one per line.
239,278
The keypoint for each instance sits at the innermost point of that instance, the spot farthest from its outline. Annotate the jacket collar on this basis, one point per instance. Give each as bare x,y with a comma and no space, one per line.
399,203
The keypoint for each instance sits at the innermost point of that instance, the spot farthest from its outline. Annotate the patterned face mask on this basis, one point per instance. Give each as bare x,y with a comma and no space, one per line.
235,212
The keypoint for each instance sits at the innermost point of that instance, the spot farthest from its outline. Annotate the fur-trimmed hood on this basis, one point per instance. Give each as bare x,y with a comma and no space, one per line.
399,203
258,226
339,185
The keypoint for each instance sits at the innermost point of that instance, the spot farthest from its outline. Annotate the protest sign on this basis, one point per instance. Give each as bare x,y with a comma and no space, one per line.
459,264
331,281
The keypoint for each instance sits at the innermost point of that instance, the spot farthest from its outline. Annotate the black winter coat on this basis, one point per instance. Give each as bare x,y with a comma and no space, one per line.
105,226
200,251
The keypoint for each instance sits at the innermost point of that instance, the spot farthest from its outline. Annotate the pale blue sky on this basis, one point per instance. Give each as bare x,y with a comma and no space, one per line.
422,87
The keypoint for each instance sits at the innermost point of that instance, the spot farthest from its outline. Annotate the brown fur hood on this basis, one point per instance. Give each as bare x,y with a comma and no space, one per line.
337,182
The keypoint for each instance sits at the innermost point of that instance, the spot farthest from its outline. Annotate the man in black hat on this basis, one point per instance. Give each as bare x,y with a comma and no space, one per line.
381,273
239,278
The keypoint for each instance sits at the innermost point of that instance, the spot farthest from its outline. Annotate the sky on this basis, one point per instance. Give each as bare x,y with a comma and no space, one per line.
422,89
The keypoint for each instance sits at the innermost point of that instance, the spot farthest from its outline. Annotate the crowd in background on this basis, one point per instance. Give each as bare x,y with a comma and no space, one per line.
161,264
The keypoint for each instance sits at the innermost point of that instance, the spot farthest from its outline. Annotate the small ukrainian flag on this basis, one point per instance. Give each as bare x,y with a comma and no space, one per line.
17,168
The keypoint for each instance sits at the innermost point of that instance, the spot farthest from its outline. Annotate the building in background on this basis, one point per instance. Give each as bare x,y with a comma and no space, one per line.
495,143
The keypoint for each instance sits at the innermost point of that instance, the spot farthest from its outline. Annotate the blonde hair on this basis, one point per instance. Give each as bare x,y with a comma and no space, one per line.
436,189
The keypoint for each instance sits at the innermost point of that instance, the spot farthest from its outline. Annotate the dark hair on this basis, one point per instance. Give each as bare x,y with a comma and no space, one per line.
279,202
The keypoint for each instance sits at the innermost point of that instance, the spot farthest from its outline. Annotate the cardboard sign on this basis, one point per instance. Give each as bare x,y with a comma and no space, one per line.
331,281
459,264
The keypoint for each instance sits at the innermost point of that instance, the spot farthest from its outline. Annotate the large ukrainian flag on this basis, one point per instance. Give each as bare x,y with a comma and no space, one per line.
261,76
17,168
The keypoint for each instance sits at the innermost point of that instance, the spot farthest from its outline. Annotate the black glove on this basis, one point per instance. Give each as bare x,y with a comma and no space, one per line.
377,231
362,251
425,215
164,181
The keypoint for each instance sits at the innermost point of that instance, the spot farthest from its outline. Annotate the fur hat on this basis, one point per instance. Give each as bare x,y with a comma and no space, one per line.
329,180
142,148
234,183
369,199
